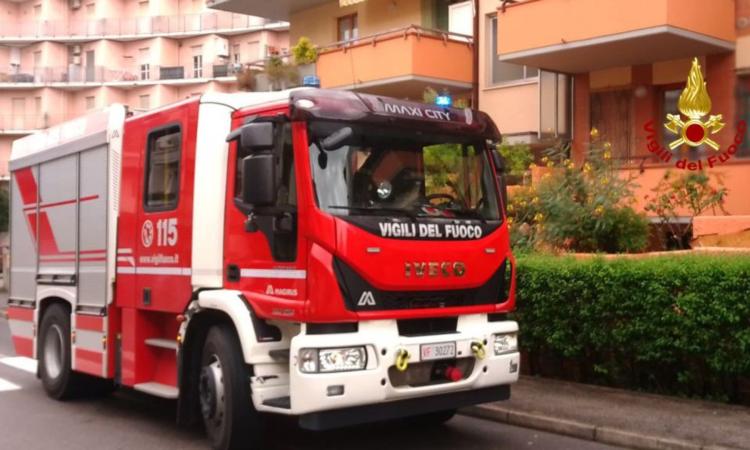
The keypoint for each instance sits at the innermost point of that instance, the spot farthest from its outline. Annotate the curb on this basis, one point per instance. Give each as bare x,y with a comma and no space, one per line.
587,431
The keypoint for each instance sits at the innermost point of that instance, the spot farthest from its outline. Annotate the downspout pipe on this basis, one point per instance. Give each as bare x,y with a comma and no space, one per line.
475,59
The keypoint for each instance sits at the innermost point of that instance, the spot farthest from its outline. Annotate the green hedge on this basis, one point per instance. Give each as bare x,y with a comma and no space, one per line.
673,324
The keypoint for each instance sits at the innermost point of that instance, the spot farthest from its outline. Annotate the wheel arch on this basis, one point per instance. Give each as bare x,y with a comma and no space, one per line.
43,306
209,308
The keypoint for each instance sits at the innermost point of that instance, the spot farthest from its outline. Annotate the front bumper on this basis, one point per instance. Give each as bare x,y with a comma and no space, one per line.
309,393
356,415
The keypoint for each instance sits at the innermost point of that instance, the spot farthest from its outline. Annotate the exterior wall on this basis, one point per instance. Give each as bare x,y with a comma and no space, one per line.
54,89
513,106
319,23
596,18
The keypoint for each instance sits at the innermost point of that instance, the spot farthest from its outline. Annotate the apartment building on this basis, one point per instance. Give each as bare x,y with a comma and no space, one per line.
61,58
388,47
629,62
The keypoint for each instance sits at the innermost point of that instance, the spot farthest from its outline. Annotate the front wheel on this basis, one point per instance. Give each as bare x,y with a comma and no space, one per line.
230,419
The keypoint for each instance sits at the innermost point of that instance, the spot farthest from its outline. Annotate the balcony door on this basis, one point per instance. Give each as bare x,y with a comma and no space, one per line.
90,66
18,110
610,114
348,28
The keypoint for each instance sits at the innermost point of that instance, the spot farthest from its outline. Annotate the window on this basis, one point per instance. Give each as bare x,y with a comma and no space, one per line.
144,101
163,169
283,243
348,28
286,195
236,54
90,102
144,55
145,71
198,61
502,72
743,113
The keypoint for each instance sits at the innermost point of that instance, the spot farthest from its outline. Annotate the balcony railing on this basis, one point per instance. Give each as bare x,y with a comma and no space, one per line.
10,123
104,74
412,51
132,26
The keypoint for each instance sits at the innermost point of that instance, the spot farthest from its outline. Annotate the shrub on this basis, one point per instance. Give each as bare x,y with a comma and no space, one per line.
584,208
518,157
670,324
304,52
693,193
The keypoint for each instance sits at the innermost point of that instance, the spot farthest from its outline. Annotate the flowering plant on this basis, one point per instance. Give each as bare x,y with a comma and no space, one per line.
581,207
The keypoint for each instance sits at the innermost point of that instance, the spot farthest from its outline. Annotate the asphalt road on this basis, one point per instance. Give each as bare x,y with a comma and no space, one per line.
129,420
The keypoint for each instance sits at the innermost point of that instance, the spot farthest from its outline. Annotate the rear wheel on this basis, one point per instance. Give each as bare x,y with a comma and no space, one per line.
224,390
58,378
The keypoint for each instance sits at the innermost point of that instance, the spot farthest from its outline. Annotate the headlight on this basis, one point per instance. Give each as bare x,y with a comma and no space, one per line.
505,343
329,360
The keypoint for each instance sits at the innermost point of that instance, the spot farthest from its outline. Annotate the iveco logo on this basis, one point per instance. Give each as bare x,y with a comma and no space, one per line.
434,269
366,299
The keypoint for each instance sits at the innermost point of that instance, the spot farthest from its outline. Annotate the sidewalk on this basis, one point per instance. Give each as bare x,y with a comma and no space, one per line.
619,417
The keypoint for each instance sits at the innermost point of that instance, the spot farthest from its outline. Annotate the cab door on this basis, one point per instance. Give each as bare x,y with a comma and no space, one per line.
263,250
164,213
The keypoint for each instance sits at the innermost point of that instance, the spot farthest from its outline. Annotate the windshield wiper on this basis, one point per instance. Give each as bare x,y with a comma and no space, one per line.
407,212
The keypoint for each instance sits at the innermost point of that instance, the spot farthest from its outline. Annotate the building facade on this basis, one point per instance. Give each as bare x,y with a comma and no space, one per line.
549,71
397,48
61,58
629,63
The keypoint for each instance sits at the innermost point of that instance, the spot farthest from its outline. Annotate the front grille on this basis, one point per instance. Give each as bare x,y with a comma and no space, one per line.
359,295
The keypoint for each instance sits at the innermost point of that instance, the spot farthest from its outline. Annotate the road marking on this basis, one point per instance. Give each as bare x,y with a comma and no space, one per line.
6,386
20,363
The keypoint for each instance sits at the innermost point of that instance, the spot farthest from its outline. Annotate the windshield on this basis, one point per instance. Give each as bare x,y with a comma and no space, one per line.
378,170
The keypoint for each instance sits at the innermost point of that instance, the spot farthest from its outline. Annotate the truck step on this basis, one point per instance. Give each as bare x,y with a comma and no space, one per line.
281,402
162,343
281,354
158,389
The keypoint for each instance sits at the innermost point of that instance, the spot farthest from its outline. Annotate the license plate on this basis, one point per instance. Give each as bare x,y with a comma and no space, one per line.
443,350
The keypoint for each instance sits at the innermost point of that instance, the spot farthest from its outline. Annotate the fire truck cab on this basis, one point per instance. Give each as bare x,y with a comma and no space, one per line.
334,256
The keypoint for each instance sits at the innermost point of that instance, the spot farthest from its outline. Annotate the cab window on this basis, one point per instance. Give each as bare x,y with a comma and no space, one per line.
163,169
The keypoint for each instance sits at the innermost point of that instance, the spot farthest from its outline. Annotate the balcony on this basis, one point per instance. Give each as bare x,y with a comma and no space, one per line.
276,9
20,124
76,76
133,27
399,63
585,35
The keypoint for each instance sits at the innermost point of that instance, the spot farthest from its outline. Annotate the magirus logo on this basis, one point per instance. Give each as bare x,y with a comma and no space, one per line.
691,128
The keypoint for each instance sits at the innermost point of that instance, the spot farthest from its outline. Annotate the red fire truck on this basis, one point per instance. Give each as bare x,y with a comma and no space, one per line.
334,256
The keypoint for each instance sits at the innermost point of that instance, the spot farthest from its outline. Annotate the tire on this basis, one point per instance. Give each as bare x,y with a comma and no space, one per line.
229,416
432,419
58,378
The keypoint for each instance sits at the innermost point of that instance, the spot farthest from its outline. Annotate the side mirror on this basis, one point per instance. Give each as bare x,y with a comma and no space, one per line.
258,180
254,136
499,162
257,136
